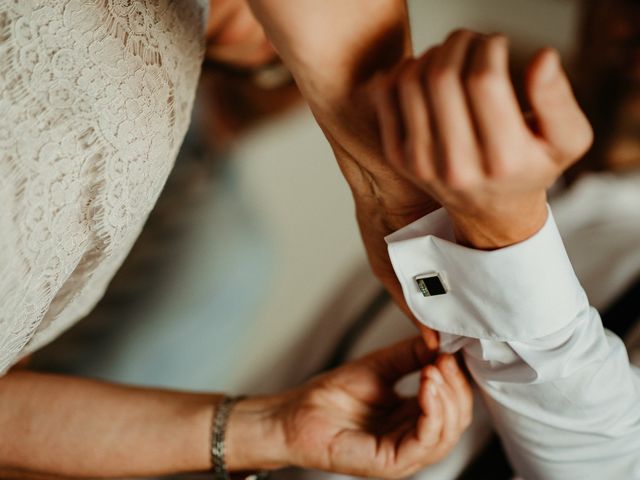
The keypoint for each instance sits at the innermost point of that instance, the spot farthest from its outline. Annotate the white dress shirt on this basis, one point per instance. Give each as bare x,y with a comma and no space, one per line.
560,389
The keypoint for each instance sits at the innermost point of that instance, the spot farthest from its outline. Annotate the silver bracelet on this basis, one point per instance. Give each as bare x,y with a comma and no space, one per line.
220,419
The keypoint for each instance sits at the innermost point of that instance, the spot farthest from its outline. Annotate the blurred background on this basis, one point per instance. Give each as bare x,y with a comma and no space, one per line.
250,275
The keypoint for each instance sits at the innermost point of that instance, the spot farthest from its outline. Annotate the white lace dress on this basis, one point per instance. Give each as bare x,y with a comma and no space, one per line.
95,99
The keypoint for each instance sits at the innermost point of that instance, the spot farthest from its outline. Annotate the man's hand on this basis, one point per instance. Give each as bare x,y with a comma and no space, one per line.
352,421
451,123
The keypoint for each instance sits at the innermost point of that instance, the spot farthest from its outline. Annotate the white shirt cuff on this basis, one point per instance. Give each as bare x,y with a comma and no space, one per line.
522,292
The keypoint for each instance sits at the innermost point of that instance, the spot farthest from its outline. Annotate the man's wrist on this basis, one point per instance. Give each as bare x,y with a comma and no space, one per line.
387,210
476,281
494,230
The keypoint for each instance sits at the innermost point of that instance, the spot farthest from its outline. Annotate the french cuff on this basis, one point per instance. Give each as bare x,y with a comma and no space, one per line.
522,292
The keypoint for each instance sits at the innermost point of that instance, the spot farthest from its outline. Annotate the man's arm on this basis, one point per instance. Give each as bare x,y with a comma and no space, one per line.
335,49
560,389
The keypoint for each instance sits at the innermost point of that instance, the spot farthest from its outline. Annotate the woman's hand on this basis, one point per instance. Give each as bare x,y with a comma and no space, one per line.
352,421
349,420
451,123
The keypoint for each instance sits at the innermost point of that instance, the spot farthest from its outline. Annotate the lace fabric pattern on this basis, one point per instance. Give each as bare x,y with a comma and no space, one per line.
95,100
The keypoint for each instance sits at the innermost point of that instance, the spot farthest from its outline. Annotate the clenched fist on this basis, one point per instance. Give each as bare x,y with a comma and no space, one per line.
451,123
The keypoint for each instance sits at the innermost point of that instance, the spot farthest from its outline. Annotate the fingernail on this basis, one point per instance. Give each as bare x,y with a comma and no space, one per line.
550,68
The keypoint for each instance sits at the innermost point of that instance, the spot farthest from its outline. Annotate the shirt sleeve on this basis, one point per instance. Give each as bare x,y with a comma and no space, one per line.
560,389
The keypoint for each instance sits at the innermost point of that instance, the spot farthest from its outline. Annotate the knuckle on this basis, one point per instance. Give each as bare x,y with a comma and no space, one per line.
502,166
497,41
460,34
314,396
483,82
441,75
460,180
426,59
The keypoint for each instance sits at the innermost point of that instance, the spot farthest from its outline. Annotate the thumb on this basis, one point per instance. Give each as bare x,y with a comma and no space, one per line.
561,122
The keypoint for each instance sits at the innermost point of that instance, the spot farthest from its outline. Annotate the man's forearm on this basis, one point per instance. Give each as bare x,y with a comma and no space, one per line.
335,45
334,49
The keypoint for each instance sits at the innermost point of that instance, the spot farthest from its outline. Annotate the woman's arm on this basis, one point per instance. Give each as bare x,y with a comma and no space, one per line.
349,420
81,428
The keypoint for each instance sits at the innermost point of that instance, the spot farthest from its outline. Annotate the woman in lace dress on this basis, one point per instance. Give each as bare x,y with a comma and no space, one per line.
95,99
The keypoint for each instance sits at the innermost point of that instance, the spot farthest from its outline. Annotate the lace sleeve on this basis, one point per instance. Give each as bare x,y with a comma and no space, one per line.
95,99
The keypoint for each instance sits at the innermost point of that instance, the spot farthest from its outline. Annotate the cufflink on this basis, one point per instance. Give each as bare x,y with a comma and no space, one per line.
431,285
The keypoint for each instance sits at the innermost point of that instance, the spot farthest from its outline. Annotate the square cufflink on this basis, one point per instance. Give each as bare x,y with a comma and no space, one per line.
431,284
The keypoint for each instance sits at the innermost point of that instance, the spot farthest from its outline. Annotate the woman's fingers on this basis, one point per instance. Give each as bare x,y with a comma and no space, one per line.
560,121
457,148
453,375
444,402
494,103
430,423
398,360
450,411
